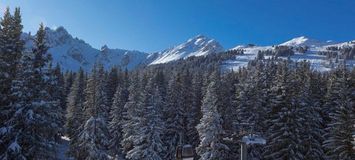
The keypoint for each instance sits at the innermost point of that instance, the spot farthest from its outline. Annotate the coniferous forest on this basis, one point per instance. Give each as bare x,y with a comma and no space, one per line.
146,113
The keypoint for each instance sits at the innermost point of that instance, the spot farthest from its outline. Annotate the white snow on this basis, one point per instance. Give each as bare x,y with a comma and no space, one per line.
197,46
250,53
72,53
304,41
318,62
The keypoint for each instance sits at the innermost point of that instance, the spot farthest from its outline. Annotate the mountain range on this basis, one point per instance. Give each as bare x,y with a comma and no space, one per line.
72,53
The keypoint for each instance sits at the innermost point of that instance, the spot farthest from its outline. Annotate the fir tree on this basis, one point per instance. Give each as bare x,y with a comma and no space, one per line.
174,116
54,88
117,110
75,108
210,127
13,136
147,142
94,137
284,134
69,78
128,113
195,109
11,47
32,130
111,85
312,130
341,127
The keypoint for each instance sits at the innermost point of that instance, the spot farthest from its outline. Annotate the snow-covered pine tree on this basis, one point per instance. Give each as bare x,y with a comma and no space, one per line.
228,113
210,127
112,84
252,104
195,108
341,127
44,107
95,95
11,47
69,78
54,88
312,130
284,119
128,113
14,137
60,88
94,137
74,114
352,82
174,116
116,116
33,111
192,113
147,142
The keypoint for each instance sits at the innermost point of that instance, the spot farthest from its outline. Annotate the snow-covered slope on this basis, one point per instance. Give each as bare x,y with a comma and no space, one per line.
120,57
318,62
72,53
197,46
304,41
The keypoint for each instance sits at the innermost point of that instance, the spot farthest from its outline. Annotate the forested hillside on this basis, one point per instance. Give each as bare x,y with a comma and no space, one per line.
148,112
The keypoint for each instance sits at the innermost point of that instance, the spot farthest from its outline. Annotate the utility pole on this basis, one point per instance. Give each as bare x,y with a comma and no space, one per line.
243,151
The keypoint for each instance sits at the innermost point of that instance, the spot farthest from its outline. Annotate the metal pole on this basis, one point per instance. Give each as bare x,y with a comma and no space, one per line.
243,151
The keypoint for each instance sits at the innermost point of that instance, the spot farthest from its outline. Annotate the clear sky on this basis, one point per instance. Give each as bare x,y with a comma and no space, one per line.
153,25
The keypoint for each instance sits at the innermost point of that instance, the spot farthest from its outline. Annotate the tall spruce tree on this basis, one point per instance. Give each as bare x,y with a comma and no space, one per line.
14,139
11,47
195,109
341,127
174,116
312,130
210,127
128,113
94,137
284,134
116,115
69,78
112,84
148,125
32,130
74,114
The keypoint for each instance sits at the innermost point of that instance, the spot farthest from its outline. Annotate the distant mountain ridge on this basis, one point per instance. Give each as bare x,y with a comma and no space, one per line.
72,53
311,54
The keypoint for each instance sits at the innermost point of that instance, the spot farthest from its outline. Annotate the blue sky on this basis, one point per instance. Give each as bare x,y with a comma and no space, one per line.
153,25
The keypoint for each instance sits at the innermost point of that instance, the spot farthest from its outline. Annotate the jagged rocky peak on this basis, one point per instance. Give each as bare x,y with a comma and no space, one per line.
201,40
105,48
57,36
197,46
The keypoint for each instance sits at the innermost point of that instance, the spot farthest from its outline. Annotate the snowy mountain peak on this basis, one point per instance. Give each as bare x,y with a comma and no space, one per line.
303,41
197,46
104,48
72,53
57,36
200,40
60,31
